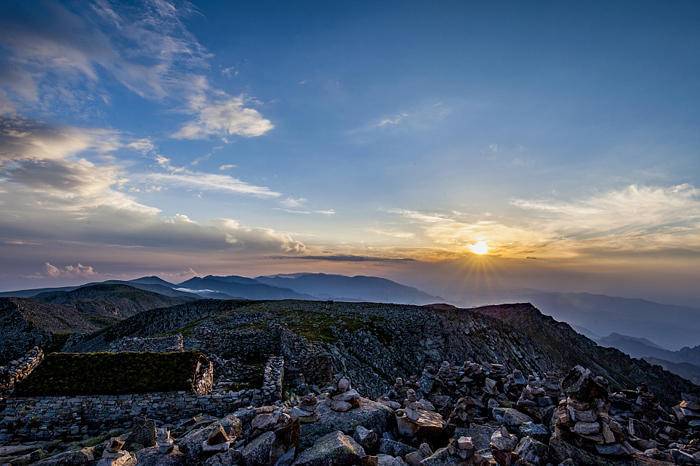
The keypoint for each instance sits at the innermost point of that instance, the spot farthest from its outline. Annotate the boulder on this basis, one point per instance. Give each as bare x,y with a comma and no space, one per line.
370,414
394,448
258,451
388,460
580,384
536,431
366,437
70,458
143,433
510,417
532,451
562,450
121,458
153,457
334,449
421,424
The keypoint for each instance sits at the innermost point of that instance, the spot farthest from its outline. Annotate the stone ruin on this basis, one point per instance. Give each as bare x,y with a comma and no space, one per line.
68,395
18,369
166,344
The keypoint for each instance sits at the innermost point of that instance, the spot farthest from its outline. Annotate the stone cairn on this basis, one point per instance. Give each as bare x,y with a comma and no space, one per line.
114,454
18,369
583,418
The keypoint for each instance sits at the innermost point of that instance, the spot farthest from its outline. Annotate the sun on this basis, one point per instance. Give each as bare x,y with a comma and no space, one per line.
480,248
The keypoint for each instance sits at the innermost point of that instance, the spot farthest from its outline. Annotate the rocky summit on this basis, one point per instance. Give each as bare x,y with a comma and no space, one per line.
333,383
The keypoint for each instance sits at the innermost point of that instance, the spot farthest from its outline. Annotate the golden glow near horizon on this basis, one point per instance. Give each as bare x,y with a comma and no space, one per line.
479,248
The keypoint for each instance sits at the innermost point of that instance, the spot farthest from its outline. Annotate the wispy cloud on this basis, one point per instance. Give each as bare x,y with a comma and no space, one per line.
420,117
210,182
345,258
144,46
633,220
392,233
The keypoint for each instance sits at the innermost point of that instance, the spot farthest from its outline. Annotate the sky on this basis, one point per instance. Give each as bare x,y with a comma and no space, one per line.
456,146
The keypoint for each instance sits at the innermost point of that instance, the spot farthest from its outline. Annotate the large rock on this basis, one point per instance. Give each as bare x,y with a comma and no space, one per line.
532,451
334,449
562,450
510,417
70,458
422,424
153,457
143,433
258,451
580,384
394,448
370,414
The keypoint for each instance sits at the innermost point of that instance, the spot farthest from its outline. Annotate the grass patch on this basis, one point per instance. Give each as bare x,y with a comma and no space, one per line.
325,327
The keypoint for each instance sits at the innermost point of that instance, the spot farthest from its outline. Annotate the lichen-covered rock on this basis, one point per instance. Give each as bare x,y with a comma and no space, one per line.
334,449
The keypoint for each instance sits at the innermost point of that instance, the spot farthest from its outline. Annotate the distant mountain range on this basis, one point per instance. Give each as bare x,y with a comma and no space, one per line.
594,315
306,286
684,362
344,288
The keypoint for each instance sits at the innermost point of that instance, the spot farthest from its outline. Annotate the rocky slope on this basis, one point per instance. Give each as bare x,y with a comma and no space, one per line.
374,343
25,323
380,384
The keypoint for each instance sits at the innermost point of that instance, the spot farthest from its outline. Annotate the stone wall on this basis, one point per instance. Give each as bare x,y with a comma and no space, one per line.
305,361
148,345
62,417
18,369
272,379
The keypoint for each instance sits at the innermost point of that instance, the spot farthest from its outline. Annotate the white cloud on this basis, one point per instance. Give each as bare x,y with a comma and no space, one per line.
48,190
223,116
143,145
77,270
293,203
226,166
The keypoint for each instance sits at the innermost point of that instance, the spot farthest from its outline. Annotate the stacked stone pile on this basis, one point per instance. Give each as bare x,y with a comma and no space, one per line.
583,418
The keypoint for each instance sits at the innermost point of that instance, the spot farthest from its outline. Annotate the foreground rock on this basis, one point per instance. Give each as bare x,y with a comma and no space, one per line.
333,449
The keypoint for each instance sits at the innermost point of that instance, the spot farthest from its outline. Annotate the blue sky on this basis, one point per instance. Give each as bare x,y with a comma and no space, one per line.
178,138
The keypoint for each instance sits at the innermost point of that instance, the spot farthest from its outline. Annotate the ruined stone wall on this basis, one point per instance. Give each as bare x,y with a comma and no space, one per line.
18,369
272,379
148,345
304,358
63,417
